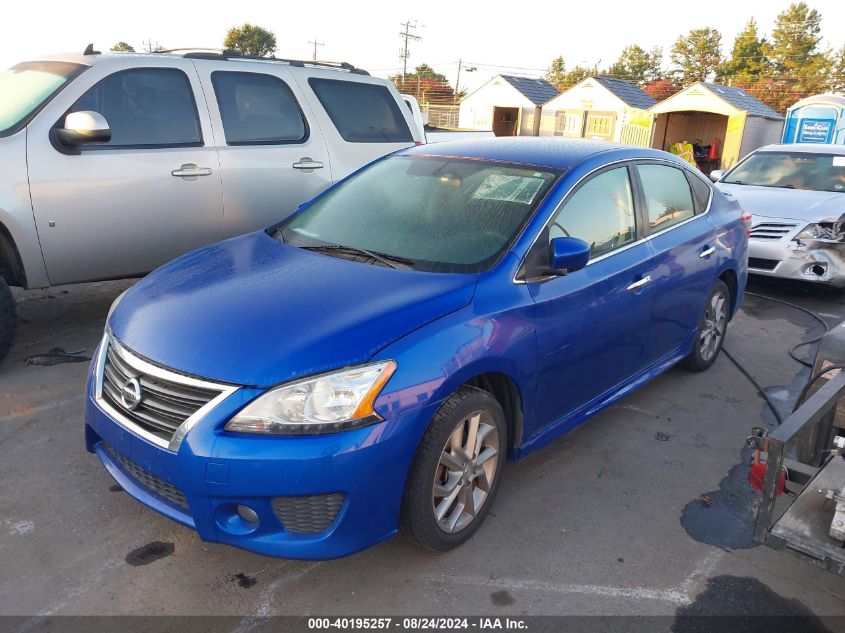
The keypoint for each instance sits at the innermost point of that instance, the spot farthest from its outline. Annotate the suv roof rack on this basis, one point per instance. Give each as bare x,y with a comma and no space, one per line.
228,54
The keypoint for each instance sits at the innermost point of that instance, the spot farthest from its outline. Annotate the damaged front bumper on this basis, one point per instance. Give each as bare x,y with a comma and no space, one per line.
774,250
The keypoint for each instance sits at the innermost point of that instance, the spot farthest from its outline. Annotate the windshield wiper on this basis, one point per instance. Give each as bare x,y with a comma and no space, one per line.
384,258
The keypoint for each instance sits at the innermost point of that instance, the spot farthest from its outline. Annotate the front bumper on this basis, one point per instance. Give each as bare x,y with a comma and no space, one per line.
772,252
357,476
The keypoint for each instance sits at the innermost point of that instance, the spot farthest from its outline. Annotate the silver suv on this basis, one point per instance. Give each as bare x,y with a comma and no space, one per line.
111,165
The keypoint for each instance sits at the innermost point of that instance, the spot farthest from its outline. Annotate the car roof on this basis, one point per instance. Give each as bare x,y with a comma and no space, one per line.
554,152
804,148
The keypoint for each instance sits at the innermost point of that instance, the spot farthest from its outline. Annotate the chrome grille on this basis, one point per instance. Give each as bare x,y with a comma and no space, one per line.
156,485
771,230
166,402
307,514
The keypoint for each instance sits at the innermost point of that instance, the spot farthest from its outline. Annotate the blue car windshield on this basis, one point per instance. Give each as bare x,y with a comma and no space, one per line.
433,214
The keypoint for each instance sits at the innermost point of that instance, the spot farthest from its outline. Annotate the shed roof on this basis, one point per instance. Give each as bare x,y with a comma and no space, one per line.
538,91
742,100
627,91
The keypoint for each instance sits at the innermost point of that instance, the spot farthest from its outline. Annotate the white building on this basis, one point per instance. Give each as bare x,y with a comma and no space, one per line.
506,104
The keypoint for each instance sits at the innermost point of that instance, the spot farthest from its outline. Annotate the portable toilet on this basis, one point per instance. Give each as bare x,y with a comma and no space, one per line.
816,119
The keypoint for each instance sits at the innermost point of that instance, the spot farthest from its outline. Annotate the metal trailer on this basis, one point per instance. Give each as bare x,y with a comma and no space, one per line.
809,447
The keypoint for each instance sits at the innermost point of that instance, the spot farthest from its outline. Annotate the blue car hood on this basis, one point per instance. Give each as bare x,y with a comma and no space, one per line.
254,311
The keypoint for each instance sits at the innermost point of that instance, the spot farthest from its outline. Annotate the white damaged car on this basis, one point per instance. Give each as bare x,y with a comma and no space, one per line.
796,196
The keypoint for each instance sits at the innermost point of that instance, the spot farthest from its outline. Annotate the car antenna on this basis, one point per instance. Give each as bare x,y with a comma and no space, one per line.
89,50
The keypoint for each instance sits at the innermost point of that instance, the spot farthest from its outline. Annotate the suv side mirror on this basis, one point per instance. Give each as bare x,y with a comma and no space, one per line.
84,127
717,174
567,254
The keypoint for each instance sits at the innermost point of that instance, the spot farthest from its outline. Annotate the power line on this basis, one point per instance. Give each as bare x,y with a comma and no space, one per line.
316,44
407,35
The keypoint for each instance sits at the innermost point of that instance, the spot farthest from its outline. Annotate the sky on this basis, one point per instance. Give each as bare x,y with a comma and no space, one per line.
494,37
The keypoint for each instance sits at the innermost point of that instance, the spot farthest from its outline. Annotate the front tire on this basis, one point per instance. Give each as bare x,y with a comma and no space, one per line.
712,327
456,472
8,318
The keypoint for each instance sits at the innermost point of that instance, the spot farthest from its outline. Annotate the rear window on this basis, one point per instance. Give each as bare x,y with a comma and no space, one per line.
258,109
362,112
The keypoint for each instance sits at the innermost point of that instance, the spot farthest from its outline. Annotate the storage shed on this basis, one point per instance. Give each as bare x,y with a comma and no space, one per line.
508,105
704,112
816,119
602,108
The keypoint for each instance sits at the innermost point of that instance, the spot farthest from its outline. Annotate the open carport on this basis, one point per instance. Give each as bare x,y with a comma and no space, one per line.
707,112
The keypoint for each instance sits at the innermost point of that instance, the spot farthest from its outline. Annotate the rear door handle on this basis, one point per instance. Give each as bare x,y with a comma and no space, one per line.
307,164
639,284
707,252
190,170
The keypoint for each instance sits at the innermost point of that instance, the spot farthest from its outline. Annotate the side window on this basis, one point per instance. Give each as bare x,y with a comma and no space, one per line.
600,212
362,112
700,191
144,107
258,109
667,195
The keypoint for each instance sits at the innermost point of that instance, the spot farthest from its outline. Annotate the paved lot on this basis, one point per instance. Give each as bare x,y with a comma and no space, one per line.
609,520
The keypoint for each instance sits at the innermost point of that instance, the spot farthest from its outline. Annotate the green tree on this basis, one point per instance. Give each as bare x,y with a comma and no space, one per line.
576,75
250,39
637,64
748,61
557,72
698,54
837,77
122,47
427,85
794,50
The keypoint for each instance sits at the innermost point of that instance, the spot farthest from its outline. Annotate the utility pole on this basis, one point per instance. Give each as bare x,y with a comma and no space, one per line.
407,35
469,69
316,44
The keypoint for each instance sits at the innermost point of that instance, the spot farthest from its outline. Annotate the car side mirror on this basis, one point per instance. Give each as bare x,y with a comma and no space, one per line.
84,127
716,175
567,254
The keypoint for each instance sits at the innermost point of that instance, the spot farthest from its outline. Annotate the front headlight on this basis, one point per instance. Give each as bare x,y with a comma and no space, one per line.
332,402
824,231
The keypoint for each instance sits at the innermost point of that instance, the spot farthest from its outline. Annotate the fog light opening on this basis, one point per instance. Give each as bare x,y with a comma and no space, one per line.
818,270
247,514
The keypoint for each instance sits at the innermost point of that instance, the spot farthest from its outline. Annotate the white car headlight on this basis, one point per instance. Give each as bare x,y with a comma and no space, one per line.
332,402
823,231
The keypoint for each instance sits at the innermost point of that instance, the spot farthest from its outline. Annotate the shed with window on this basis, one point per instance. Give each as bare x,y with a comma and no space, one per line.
722,123
601,108
508,105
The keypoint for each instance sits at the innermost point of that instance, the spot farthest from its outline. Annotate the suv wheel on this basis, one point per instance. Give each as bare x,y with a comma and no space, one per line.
456,473
712,328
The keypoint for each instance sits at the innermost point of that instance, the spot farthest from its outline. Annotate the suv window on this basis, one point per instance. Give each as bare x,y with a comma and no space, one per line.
667,196
145,107
600,212
258,109
362,112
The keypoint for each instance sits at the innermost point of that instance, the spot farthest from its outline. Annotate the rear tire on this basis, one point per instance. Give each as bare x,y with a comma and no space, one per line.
456,472
712,328
8,318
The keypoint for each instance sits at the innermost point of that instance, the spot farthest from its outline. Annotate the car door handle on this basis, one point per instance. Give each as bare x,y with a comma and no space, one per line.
190,170
640,283
307,163
707,252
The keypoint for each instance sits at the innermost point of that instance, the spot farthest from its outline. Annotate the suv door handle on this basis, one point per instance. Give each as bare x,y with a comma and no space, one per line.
191,170
640,283
707,252
307,163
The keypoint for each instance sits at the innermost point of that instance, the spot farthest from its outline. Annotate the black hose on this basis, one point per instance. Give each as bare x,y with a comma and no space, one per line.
756,384
806,311
812,380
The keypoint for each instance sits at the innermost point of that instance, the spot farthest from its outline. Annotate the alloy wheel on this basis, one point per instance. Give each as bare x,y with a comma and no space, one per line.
713,329
465,472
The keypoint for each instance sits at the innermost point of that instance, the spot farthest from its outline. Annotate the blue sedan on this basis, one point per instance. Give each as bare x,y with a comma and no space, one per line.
368,364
